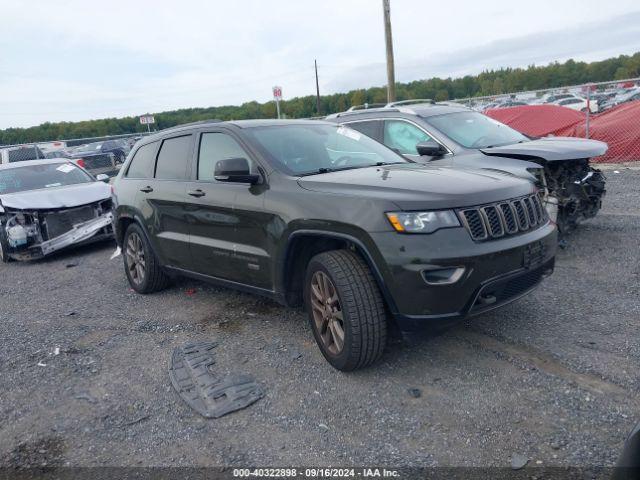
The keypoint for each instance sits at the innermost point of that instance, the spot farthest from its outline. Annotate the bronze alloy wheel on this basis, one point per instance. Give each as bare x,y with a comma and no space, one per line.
135,258
327,312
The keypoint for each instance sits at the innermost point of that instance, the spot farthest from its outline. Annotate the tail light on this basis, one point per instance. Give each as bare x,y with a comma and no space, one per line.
80,162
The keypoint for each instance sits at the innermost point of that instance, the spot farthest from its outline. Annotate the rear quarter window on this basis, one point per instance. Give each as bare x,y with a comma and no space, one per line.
143,162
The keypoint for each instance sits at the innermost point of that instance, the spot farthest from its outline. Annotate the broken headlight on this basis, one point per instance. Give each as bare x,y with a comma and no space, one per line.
423,222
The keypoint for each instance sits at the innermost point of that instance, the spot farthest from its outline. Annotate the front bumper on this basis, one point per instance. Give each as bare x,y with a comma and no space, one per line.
496,272
96,229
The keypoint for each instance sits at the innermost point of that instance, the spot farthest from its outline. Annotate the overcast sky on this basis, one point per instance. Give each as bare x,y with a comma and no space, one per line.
83,59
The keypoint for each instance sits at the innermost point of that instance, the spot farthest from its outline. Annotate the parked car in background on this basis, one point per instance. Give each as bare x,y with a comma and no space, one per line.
48,205
20,153
628,95
578,103
115,147
457,136
99,157
317,213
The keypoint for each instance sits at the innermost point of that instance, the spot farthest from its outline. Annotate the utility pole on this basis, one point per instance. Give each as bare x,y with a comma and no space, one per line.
391,77
315,62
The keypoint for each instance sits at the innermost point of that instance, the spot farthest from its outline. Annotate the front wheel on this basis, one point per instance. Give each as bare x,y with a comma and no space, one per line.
346,309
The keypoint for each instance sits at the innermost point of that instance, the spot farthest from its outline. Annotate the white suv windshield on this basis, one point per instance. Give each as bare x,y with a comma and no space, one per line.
474,130
304,149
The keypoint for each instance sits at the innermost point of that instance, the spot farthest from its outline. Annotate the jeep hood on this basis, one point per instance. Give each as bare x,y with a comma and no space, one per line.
414,186
550,149
57,197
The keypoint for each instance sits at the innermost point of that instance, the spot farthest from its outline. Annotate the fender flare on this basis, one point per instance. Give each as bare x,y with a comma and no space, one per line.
361,248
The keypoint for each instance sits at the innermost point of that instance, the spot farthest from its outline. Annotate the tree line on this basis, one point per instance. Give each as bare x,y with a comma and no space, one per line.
490,82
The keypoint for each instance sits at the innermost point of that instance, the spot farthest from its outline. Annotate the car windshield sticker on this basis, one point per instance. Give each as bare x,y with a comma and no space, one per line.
65,168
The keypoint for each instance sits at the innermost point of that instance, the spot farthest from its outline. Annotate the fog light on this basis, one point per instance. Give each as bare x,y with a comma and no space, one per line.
443,276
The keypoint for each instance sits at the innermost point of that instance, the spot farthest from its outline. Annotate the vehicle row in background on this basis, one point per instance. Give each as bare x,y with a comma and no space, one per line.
103,157
595,101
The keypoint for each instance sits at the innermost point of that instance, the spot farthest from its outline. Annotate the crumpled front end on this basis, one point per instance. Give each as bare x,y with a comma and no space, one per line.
32,234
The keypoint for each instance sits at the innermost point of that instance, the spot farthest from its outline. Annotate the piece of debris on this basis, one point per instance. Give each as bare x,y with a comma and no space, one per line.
295,355
71,265
616,171
137,420
87,397
518,461
69,314
42,364
415,392
192,376
324,427
116,254
56,351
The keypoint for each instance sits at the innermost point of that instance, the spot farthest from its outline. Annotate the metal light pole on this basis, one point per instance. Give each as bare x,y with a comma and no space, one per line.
391,77
315,62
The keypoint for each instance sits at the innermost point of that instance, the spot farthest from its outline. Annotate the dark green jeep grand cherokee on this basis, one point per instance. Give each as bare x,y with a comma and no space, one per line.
315,213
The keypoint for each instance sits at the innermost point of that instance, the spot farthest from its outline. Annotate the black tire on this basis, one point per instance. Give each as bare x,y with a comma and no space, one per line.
4,246
364,322
153,278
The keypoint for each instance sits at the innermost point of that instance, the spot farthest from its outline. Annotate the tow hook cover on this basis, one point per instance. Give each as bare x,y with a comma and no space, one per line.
211,396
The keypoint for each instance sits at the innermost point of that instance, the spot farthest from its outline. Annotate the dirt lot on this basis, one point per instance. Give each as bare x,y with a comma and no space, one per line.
553,377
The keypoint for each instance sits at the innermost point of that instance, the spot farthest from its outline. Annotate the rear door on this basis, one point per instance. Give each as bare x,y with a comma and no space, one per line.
162,200
228,225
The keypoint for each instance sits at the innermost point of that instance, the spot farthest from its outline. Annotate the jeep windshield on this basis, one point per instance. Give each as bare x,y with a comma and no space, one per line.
474,130
35,177
308,149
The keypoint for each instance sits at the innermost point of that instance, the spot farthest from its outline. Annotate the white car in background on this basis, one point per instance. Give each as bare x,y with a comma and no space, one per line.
578,103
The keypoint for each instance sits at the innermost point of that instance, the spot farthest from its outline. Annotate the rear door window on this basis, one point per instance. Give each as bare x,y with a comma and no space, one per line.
142,163
403,136
173,158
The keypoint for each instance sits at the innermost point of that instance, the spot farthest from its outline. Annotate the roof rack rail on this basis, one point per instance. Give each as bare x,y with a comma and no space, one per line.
366,106
408,102
199,122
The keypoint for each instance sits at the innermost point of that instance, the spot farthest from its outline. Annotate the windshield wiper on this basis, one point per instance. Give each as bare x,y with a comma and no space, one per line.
352,167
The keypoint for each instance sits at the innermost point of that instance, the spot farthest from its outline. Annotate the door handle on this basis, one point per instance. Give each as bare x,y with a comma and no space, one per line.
196,193
146,189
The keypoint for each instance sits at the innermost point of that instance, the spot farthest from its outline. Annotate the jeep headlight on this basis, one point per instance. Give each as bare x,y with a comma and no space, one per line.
423,222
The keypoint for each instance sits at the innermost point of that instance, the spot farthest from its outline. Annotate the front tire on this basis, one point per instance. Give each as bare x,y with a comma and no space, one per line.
346,310
141,265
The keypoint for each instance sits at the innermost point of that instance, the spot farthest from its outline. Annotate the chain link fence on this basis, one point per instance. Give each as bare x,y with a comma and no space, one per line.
606,111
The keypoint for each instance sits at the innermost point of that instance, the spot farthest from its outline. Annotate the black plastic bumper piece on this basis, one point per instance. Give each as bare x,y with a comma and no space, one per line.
212,397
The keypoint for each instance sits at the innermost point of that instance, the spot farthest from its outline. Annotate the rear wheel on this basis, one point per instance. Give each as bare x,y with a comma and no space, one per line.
141,266
346,310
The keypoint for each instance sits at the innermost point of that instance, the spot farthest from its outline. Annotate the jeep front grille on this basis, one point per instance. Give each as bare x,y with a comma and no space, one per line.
501,219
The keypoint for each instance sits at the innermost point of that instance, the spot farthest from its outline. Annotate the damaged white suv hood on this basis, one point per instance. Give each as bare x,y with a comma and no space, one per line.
57,197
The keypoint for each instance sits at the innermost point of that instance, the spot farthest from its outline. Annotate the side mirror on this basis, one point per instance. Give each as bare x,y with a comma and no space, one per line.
235,170
101,177
430,149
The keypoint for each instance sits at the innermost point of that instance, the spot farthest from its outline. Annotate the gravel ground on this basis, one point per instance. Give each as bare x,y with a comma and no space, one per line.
553,377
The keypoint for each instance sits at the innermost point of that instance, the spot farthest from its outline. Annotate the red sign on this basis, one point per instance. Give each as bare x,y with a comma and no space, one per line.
277,93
